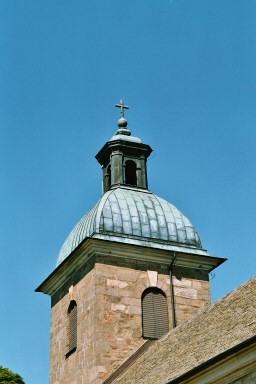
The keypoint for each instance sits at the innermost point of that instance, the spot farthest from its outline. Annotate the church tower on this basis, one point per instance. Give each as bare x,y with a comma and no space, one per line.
132,269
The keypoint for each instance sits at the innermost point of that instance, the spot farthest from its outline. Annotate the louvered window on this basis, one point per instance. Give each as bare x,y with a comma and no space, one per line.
155,322
72,326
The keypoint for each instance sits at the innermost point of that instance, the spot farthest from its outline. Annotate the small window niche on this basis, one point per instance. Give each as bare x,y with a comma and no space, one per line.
108,177
131,173
155,319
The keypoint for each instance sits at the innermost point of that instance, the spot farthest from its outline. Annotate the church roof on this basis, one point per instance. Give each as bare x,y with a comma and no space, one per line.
133,213
220,330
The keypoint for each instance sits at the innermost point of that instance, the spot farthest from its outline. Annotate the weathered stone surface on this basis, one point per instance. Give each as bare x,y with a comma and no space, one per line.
182,282
118,307
110,319
152,276
116,283
186,292
219,328
97,372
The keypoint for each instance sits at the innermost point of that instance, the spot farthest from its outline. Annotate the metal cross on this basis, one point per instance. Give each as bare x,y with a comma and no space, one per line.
122,107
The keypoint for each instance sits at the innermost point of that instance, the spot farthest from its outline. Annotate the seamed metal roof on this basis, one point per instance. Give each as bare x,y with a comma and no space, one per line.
135,214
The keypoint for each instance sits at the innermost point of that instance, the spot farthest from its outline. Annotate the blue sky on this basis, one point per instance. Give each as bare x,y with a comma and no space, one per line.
187,71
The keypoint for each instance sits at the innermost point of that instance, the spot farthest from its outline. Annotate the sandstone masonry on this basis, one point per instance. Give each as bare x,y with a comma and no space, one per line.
110,318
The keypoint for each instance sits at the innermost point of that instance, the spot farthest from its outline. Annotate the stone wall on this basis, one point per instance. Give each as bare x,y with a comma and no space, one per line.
74,368
110,320
223,327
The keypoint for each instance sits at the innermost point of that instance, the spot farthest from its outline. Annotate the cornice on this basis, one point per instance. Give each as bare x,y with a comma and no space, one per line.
93,249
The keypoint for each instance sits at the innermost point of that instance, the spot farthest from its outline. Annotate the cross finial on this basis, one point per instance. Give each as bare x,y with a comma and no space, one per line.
122,107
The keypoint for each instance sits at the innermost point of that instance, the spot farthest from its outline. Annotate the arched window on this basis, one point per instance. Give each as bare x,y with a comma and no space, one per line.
72,326
155,322
130,173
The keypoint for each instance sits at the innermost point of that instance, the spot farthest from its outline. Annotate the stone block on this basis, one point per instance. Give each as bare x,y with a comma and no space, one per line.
125,292
116,283
186,292
182,282
135,310
197,285
96,371
131,301
126,274
118,307
152,276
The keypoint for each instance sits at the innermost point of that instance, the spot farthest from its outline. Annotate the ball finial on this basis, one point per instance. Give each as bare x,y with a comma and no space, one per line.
122,122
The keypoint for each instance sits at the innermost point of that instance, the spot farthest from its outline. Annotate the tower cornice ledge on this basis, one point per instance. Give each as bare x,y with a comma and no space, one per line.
158,257
128,147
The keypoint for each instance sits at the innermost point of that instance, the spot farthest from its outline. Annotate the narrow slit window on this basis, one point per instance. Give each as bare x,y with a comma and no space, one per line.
109,176
72,326
130,173
155,321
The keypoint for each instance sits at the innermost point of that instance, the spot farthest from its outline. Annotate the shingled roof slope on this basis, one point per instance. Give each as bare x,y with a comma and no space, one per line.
220,327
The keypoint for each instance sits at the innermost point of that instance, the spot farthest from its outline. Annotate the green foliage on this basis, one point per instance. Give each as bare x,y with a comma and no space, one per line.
8,377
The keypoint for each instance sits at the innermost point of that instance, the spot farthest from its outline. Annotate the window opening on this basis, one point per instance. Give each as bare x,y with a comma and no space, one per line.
130,173
108,177
155,321
72,327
